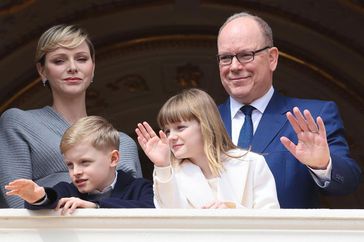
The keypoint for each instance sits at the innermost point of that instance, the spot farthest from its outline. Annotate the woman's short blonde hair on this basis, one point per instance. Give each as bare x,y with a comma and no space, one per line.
67,36
97,130
195,104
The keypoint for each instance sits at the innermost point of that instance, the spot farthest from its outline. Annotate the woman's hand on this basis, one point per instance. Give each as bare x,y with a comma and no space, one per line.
156,148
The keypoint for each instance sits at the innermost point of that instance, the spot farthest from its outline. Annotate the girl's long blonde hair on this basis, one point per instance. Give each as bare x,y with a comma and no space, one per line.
195,104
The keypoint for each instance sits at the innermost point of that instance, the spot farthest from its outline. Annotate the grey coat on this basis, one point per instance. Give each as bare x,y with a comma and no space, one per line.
29,148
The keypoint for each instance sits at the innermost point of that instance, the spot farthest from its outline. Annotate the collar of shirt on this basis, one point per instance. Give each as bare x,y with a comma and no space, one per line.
108,188
237,117
259,104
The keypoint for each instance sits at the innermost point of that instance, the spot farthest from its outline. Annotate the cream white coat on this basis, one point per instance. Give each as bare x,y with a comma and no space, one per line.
246,181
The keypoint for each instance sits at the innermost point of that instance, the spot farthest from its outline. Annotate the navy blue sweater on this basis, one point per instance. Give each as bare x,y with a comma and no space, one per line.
129,192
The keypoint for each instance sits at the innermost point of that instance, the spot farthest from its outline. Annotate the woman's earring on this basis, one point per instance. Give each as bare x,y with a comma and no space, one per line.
44,82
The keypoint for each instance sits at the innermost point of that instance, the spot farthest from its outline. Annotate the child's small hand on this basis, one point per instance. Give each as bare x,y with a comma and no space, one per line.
68,205
219,205
26,189
154,146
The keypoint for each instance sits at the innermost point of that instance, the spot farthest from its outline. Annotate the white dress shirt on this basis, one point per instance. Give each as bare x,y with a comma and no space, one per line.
238,116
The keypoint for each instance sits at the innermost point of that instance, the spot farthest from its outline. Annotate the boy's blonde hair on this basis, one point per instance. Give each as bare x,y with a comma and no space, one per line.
195,104
96,129
67,36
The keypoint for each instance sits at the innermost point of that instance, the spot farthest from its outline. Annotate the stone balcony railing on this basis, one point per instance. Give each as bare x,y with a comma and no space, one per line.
170,225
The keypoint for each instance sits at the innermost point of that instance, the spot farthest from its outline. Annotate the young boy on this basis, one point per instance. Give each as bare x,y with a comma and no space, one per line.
90,150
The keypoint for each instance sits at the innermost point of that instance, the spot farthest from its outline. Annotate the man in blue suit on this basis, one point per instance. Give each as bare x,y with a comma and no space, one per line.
306,156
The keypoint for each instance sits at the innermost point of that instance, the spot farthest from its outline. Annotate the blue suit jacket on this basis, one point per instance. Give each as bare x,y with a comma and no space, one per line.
129,192
295,185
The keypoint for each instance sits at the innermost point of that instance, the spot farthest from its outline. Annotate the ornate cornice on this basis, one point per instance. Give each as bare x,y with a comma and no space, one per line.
13,6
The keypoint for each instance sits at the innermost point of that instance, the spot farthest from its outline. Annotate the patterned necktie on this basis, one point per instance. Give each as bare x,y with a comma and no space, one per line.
246,132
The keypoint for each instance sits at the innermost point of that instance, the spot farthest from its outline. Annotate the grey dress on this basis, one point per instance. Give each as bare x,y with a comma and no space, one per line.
29,148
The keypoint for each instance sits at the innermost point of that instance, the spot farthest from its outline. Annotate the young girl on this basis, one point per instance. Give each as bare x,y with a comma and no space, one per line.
196,163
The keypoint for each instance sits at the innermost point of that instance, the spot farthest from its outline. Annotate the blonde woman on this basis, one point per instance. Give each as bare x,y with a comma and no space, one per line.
29,140
195,163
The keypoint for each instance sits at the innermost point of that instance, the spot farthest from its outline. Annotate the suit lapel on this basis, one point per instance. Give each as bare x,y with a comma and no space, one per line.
226,115
231,183
233,180
194,185
271,123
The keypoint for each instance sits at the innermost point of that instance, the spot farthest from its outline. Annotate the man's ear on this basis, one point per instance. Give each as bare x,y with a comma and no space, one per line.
273,58
114,158
41,71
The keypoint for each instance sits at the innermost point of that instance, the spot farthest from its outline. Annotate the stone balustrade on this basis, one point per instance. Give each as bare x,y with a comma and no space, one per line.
173,225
